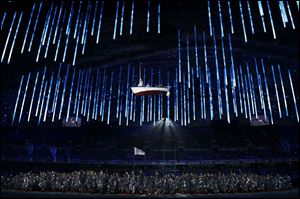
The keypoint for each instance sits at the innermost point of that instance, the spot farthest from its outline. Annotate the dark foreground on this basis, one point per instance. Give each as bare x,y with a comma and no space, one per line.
294,193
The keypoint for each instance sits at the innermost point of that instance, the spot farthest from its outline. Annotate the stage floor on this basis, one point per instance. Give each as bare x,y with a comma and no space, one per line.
19,194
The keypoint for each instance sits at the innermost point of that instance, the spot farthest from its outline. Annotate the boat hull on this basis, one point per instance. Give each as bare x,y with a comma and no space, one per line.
142,91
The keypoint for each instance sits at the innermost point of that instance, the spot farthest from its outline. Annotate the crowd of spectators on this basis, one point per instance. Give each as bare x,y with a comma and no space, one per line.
89,181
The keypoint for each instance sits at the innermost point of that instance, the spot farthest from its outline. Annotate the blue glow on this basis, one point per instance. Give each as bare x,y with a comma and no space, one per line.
58,20
47,25
242,16
77,41
218,77
100,22
48,98
179,57
28,26
15,36
127,91
131,17
209,17
250,88
131,103
205,56
294,98
225,82
42,104
110,96
32,97
193,91
277,96
250,16
119,91
77,21
49,36
116,21
283,13
11,26
272,24
94,19
35,25
41,89
290,14
77,89
220,15
283,91
70,96
3,19
261,11
158,18
201,95
254,97
148,16
196,51
267,91
61,30
230,16
247,95
87,28
63,94
17,100
240,95
188,60
122,18
90,99
210,96
243,92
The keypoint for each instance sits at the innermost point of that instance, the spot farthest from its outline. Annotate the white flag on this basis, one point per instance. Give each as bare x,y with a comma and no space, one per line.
138,151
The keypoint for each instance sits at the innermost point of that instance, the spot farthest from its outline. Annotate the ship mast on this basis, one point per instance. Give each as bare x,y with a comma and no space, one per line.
141,81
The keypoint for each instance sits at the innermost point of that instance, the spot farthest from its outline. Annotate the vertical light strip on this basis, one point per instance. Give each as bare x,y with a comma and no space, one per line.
94,19
100,22
196,51
122,18
250,16
35,25
242,16
294,98
158,17
28,26
116,21
32,97
7,39
209,17
148,16
17,100
188,60
221,21
283,91
261,12
267,91
290,14
272,24
277,96
131,17
48,98
230,17
15,36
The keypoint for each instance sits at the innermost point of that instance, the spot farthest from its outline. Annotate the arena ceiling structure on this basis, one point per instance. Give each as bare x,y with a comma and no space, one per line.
74,62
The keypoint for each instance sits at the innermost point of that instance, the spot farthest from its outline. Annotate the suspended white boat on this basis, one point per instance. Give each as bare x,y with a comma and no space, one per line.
142,90
147,90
